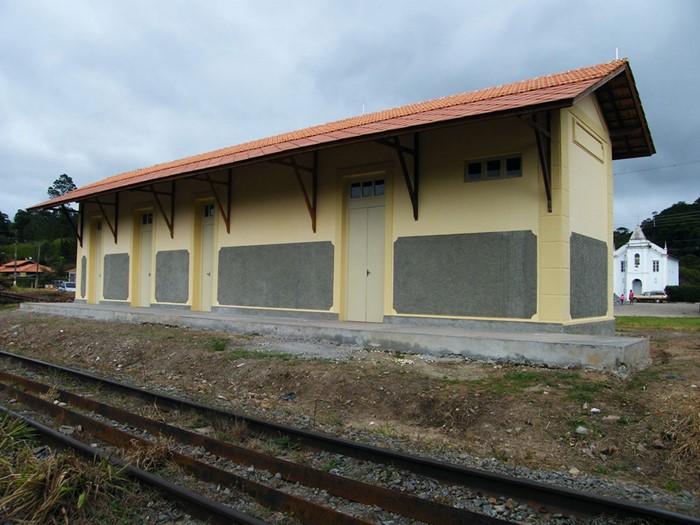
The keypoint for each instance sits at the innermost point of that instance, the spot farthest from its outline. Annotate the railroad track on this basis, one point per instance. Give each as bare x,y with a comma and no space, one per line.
120,428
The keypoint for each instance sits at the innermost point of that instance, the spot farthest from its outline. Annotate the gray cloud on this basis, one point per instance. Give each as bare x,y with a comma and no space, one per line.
95,89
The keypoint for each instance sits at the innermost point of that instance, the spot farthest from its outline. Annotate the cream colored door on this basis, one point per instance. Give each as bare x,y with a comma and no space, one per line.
95,264
145,259
365,262
206,252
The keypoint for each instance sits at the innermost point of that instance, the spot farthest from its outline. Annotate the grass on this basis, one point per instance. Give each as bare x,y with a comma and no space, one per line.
575,386
218,344
689,324
60,488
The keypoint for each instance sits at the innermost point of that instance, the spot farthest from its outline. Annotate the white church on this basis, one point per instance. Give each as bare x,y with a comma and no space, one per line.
642,266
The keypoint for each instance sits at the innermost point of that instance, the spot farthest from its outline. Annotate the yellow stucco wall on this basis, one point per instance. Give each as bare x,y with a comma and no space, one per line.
268,205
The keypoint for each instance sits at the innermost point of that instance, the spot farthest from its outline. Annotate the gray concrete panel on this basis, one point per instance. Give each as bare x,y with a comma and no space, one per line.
83,275
479,274
116,276
297,275
172,276
589,277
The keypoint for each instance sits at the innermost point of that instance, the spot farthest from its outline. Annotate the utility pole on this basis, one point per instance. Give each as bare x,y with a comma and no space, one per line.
36,274
15,272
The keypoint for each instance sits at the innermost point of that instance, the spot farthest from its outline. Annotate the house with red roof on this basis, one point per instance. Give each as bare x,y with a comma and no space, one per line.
24,268
488,209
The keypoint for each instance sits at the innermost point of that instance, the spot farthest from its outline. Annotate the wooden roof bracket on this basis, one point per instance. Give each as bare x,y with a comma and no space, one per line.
113,227
225,210
411,186
310,200
169,221
541,123
67,213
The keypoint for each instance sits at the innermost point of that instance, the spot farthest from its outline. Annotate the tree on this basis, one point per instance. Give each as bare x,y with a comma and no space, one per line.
621,236
5,227
678,226
62,185
60,225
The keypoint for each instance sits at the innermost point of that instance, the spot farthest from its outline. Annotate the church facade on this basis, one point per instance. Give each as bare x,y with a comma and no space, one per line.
642,266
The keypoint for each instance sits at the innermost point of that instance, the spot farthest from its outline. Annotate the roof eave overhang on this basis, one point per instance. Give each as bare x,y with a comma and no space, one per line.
628,140
617,95
181,172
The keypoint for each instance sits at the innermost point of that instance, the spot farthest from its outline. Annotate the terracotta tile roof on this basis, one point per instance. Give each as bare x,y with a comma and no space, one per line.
558,90
24,266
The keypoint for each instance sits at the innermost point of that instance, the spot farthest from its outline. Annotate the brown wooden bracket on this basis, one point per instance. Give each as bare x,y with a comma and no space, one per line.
541,123
77,228
310,200
224,208
169,219
113,225
401,150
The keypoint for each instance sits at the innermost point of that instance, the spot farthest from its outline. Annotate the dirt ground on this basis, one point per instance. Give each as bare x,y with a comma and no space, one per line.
644,427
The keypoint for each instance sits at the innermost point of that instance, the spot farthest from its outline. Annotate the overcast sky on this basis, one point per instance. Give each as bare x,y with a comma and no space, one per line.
97,88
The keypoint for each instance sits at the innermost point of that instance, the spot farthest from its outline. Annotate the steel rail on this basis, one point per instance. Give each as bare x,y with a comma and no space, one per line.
196,504
305,511
552,497
392,501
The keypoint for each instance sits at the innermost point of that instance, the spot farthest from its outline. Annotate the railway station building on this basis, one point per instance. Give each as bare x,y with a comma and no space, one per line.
488,209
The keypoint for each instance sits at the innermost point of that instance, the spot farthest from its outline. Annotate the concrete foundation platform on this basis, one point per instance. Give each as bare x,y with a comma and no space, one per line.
551,349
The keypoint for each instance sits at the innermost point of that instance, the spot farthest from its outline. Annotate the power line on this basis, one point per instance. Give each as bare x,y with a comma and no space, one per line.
659,167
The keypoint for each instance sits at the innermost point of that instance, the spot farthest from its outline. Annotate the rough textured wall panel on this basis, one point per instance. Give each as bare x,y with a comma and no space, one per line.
589,277
471,275
83,275
116,276
298,275
172,276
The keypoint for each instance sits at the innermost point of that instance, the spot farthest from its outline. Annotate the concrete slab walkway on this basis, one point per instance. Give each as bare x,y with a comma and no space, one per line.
559,350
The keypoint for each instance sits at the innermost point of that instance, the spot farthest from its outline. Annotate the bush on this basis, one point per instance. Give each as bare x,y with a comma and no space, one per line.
683,294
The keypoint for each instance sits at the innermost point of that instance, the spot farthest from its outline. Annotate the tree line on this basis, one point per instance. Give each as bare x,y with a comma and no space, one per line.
46,236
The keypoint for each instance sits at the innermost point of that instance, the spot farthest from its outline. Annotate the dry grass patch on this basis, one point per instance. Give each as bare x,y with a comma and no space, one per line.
152,456
57,489
684,434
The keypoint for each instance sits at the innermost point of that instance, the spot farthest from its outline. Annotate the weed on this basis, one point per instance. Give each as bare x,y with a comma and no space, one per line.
285,442
684,433
218,344
387,430
332,464
14,434
235,431
151,456
500,455
672,486
57,488
585,392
